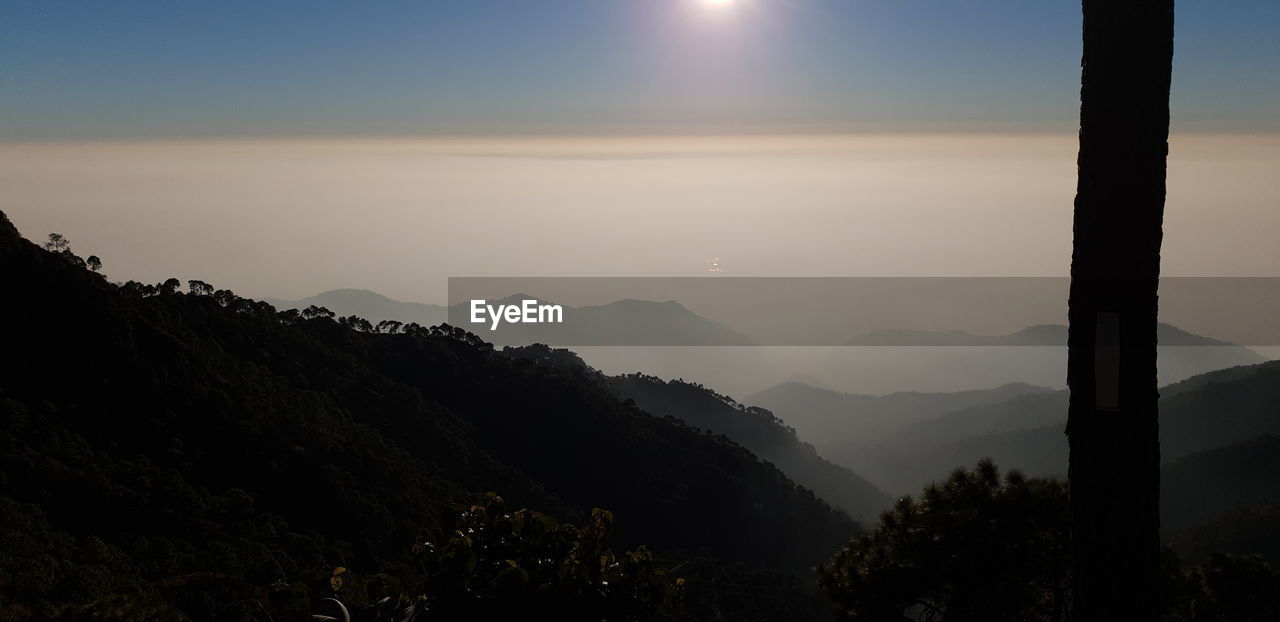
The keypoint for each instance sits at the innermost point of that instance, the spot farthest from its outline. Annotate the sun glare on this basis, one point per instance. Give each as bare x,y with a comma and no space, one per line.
716,3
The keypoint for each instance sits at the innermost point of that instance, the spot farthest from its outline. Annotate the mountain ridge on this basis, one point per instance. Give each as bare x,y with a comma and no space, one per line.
824,414
210,433
1203,413
759,431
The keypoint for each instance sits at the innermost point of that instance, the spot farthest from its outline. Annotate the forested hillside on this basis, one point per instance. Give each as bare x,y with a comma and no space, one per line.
1203,486
823,416
151,436
1202,413
759,431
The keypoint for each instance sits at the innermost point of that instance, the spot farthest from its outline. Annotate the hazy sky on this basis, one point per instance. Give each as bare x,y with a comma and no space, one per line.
125,68
282,149
287,219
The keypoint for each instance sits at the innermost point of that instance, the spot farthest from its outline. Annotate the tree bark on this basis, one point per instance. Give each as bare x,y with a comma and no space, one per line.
1115,267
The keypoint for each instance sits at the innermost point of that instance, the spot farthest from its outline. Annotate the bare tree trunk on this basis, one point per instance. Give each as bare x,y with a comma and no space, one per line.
1115,267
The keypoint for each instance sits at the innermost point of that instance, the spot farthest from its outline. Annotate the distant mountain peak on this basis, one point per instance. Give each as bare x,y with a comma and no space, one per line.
638,302
351,291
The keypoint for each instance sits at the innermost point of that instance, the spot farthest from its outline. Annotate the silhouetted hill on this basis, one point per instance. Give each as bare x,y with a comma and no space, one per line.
759,431
903,468
826,416
1020,413
369,305
1199,414
149,434
1202,380
1250,530
1228,408
1202,486
1181,354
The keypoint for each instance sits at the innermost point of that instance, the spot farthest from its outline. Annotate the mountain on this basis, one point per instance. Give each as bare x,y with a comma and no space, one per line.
905,469
759,431
1224,409
1201,381
209,443
1024,412
1181,354
1247,530
1202,413
621,322
1043,335
1199,487
1024,432
369,305
829,416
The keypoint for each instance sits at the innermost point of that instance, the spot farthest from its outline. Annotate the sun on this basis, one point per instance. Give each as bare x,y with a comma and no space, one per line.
717,3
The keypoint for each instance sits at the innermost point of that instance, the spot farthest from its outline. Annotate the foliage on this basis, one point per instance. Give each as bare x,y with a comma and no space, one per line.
979,547
1225,589
976,547
57,243
492,564
497,564
1246,530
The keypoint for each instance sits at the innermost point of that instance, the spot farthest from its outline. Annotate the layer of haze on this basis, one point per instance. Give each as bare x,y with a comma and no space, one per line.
290,218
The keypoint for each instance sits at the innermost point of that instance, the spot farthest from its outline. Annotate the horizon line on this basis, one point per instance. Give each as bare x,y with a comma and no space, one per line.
243,138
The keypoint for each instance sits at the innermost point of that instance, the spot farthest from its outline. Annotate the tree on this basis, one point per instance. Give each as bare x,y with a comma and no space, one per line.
979,548
313,312
170,286
73,258
1239,589
199,288
57,243
225,297
94,263
975,548
355,322
499,564
1115,267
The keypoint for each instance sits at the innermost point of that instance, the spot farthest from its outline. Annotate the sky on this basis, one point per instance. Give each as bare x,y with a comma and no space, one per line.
291,218
130,69
283,149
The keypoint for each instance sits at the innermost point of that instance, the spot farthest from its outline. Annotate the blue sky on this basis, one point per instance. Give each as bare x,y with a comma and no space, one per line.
126,68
